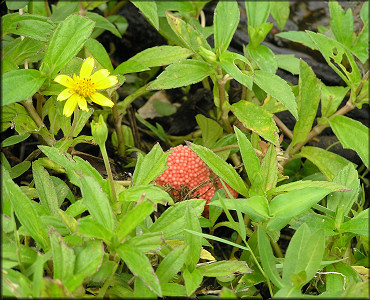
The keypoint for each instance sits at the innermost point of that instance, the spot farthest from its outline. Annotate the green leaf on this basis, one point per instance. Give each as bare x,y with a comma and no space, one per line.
211,130
295,202
193,280
358,224
297,185
280,12
223,169
352,135
104,23
251,161
257,12
268,258
146,242
341,23
161,55
19,169
140,266
264,58
277,88
331,98
328,162
96,202
173,290
288,62
98,51
149,10
63,257
304,253
15,5
298,37
56,56
226,20
133,218
20,49
194,242
24,210
172,264
183,73
89,258
308,102
34,26
227,62
316,222
150,167
342,203
45,189
338,57
20,85
163,108
152,192
88,227
188,35
224,268
269,169
14,139
256,119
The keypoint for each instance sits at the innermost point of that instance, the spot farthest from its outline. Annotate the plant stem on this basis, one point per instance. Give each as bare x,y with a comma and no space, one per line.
109,172
118,127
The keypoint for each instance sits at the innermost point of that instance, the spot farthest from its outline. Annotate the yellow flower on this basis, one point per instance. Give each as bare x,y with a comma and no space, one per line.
85,85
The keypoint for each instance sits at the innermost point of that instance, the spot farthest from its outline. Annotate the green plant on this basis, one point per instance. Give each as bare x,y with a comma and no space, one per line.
69,232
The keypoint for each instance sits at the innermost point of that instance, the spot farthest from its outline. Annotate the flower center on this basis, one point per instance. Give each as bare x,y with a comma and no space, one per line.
84,87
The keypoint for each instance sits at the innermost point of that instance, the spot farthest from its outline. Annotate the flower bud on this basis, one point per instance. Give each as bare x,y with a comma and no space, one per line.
99,131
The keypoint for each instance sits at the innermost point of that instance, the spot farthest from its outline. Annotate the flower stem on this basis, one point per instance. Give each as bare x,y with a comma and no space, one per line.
118,127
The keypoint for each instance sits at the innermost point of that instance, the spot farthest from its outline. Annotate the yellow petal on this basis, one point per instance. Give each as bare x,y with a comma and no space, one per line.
101,100
65,94
99,75
82,103
107,82
65,80
87,67
70,105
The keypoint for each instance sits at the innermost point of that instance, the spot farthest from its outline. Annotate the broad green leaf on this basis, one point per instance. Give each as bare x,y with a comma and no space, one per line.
341,23
14,139
358,224
341,203
172,222
183,73
56,56
288,62
264,58
328,162
189,36
224,268
172,264
304,253
164,109
298,37
150,167
173,290
251,161
226,19
256,119
295,202
15,5
141,267
338,57
88,227
141,290
193,280
130,66
133,218
223,169
316,222
34,26
152,192
63,257
97,202
25,211
289,291
331,98
89,258
228,63
211,130
21,49
352,135
360,44
19,169
257,12
297,185
268,258
194,242
277,88
269,169
280,12
161,55
9,251
98,51
63,9
45,188
149,10
308,102
146,242
20,85
102,22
